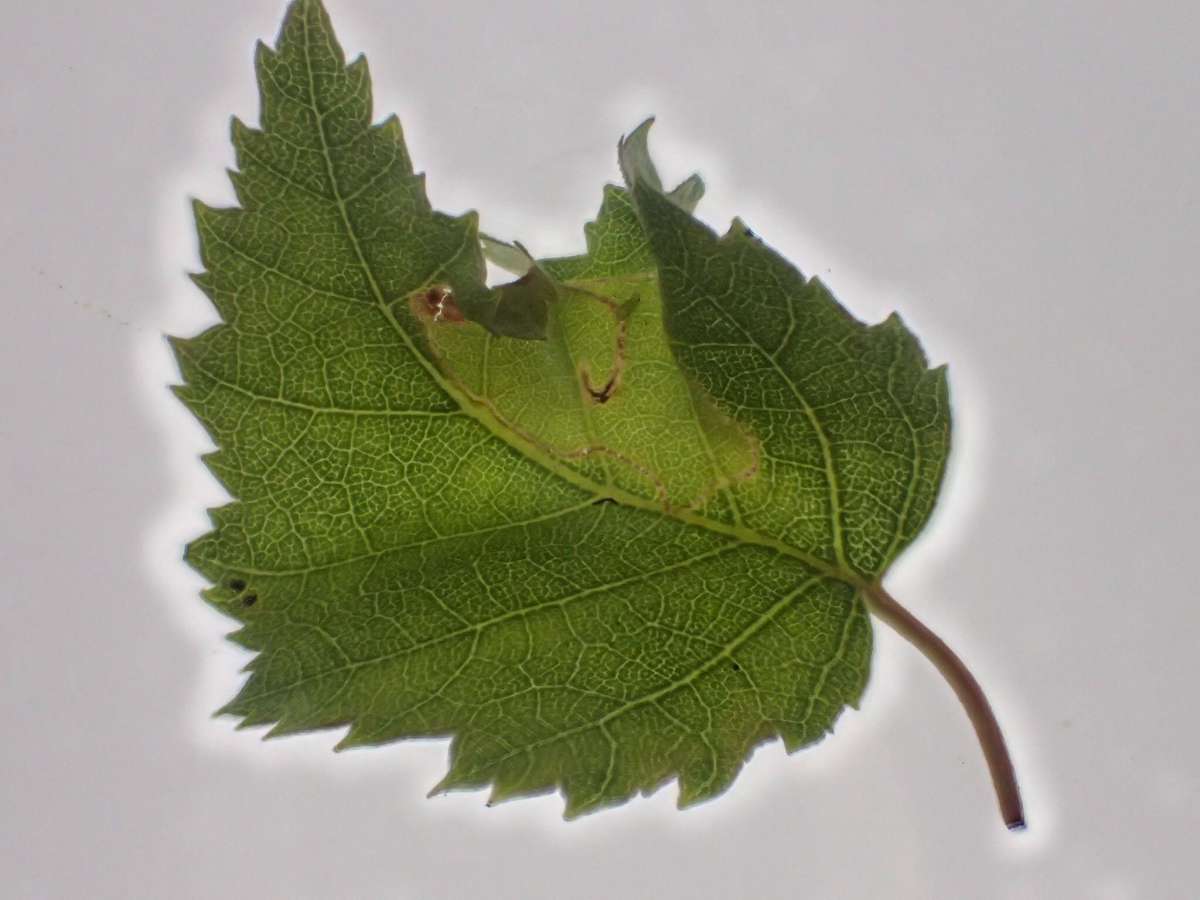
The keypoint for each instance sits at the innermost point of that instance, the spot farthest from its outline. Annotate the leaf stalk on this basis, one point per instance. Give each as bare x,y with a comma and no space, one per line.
970,695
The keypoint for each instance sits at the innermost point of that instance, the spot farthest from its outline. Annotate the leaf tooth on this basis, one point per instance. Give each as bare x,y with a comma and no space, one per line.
239,132
458,776
206,218
693,789
450,782
359,72
796,736
793,740
241,638
351,739
290,725
512,787
359,734
688,193
895,328
248,719
738,230
241,187
575,806
941,378
214,462
264,54
226,710
392,127
204,281
179,347
279,729
393,130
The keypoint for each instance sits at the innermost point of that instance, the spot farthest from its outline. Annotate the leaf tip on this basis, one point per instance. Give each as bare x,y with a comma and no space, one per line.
442,787
263,54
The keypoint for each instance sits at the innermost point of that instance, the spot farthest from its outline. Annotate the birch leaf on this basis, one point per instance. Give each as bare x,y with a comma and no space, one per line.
614,524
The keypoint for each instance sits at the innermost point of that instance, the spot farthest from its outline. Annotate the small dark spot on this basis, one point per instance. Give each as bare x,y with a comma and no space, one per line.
236,584
603,394
736,667
249,599
601,501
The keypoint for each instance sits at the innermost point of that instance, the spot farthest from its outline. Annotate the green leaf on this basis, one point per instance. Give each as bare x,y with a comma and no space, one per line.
629,552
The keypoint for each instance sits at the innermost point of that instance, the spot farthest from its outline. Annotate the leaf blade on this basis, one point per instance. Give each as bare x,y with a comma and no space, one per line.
387,523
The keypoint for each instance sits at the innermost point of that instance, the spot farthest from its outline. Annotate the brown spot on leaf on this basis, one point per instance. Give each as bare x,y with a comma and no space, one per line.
602,394
438,303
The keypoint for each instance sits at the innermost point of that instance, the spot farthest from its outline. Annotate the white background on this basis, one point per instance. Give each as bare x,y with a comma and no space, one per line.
1019,180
